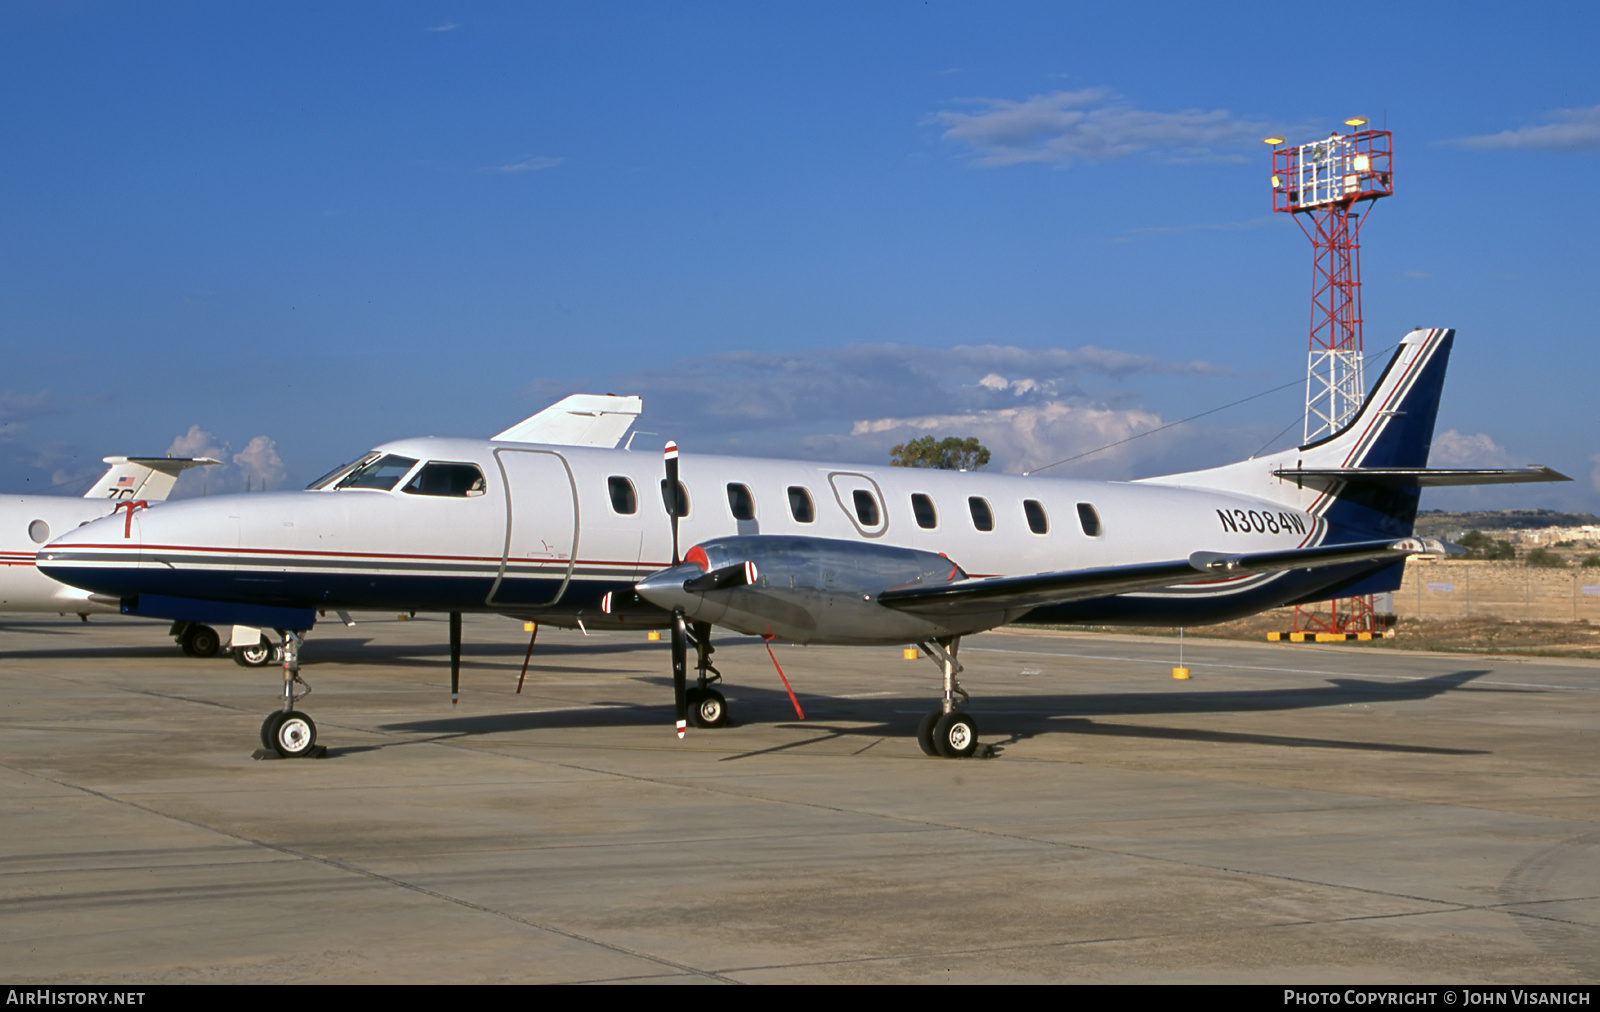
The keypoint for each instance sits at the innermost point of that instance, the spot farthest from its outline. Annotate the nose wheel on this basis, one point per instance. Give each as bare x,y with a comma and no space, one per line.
707,708
291,734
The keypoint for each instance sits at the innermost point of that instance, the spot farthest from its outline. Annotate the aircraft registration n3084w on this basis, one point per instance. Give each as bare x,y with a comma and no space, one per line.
788,550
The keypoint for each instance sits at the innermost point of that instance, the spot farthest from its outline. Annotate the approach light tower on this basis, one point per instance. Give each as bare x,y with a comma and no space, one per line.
1320,184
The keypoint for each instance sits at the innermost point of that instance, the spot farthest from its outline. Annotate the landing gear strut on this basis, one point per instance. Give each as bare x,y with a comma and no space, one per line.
287,731
707,706
947,731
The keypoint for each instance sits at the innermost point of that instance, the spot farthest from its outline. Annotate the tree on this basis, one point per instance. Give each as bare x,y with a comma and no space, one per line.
949,454
1480,546
1547,560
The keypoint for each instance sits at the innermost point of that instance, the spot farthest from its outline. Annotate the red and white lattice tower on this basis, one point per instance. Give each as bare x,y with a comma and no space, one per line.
1320,184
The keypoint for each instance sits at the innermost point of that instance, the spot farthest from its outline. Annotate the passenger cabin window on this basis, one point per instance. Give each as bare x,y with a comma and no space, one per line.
454,480
623,499
922,509
800,505
982,516
383,473
866,507
741,502
1089,519
1038,523
681,506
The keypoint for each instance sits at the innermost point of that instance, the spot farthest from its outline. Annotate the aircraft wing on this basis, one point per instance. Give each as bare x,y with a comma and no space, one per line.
579,420
1007,592
147,478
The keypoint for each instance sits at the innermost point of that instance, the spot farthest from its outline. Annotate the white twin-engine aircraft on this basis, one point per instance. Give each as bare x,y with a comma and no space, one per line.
788,550
28,521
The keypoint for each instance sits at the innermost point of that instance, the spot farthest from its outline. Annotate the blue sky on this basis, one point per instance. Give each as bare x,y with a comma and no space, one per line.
282,234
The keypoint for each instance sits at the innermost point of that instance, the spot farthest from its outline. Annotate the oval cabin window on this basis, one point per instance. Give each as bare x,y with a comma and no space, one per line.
982,516
1038,522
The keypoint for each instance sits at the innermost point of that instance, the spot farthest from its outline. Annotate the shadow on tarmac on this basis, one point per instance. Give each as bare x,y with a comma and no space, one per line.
1007,720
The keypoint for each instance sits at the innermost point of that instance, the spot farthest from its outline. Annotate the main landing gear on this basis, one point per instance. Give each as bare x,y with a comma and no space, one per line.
947,731
288,732
196,640
707,706
257,655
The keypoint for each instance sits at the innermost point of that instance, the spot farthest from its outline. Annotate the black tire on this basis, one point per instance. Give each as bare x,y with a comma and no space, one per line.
269,729
708,709
201,641
258,656
955,735
295,735
925,732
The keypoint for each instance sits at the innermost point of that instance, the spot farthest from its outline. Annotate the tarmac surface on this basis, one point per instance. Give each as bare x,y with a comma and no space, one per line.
1292,814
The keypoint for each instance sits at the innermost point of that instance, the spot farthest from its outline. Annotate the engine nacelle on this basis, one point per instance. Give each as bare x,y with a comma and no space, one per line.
812,590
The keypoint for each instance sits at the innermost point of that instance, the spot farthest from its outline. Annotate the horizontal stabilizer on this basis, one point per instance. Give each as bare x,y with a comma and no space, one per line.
147,478
579,420
1007,592
1422,477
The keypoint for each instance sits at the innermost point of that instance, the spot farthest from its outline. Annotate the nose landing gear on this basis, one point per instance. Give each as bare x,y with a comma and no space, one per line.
287,733
707,706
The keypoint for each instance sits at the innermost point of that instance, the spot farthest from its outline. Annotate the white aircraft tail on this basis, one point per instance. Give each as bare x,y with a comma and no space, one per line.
579,420
147,478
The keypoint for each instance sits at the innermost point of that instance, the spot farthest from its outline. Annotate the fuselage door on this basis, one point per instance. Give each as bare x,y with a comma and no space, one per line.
541,543
862,501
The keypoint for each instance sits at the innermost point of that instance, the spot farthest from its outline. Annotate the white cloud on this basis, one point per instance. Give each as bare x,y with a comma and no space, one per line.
255,468
1569,130
448,26
536,164
197,442
1458,449
260,464
1091,125
1026,437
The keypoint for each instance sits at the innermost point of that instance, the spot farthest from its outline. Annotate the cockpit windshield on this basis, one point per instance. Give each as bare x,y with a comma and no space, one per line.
327,480
383,473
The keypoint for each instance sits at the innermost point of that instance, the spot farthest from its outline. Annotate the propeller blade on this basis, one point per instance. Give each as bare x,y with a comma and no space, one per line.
680,669
674,503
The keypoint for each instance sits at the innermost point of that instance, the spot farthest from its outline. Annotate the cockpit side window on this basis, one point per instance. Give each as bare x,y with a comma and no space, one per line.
444,479
343,469
383,473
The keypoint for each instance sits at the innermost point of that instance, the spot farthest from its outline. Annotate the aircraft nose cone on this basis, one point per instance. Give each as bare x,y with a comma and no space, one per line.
97,555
